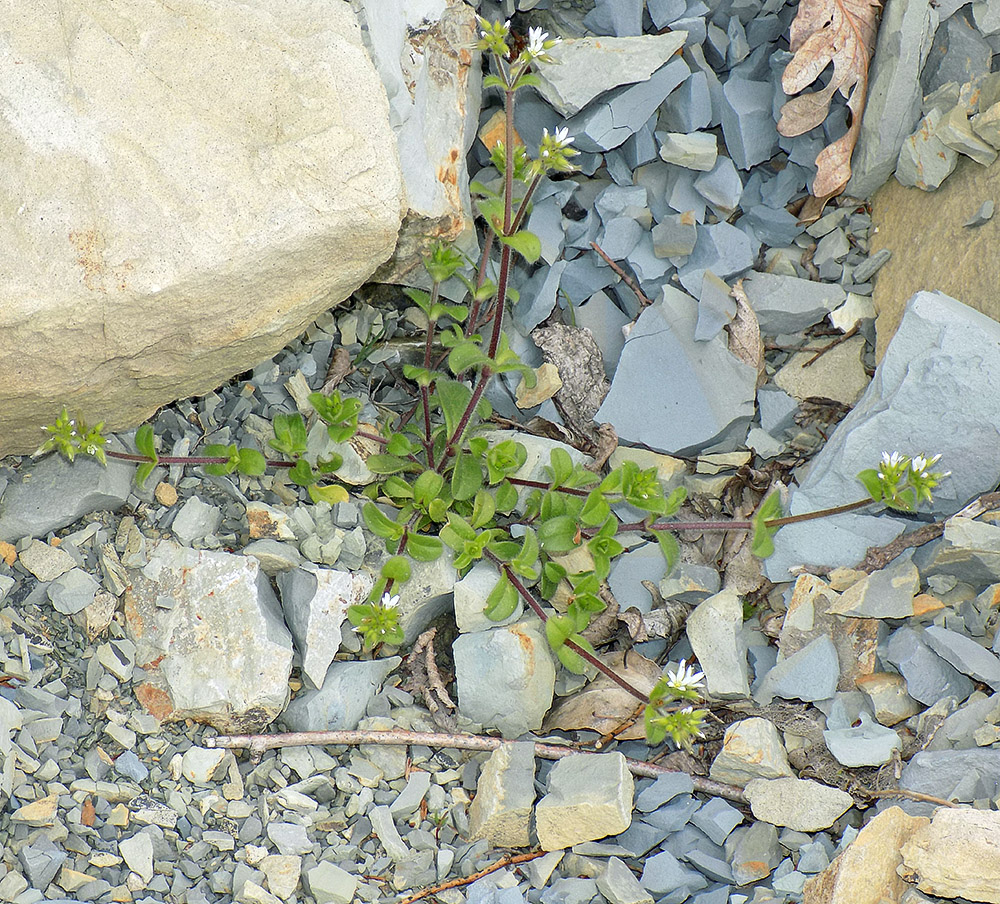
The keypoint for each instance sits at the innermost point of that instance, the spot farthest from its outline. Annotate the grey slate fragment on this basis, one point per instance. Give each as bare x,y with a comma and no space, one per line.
693,396
753,852
717,819
787,304
625,110
73,591
640,838
904,40
664,12
663,873
689,107
721,248
41,861
958,775
750,131
964,654
981,216
588,67
675,235
928,676
959,54
777,408
615,17
672,816
869,744
936,389
924,160
716,307
195,521
664,789
772,226
721,186
546,223
871,265
808,674
343,699
619,885
605,320
538,296
619,237
51,493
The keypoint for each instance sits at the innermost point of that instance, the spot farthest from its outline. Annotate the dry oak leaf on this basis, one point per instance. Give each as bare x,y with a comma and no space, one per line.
841,32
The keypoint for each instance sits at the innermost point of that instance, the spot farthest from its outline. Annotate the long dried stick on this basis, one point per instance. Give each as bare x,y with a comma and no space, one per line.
257,744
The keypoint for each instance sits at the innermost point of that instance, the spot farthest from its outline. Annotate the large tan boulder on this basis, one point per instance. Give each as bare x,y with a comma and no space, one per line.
932,248
185,187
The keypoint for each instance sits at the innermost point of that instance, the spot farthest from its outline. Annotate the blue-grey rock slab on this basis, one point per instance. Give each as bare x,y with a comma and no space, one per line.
809,674
619,885
717,819
958,54
505,677
52,492
630,569
957,775
965,654
673,815
722,187
713,630
969,550
928,676
664,789
605,320
663,874
869,744
753,852
721,248
640,838
787,304
904,40
937,390
588,67
689,108
624,111
315,603
750,131
343,698
674,394
73,591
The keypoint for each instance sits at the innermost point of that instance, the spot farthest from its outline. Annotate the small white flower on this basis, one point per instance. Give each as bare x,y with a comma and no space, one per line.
390,602
891,461
921,464
685,677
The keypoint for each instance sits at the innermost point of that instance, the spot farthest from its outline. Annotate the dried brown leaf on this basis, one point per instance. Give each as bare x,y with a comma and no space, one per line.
602,705
744,333
340,367
841,32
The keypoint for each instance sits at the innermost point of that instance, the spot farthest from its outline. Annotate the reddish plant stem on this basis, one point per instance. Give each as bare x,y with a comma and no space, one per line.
536,607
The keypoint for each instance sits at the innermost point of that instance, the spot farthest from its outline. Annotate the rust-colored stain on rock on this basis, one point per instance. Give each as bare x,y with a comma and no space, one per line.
157,702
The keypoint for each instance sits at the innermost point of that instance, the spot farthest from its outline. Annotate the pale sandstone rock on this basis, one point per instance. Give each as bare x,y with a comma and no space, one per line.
865,873
955,855
186,187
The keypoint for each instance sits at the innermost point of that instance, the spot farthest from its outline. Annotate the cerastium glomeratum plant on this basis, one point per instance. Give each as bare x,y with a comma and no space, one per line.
445,480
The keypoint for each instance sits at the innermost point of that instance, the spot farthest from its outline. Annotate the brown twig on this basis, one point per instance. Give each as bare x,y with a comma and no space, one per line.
879,556
911,795
831,345
507,860
257,744
430,684
631,283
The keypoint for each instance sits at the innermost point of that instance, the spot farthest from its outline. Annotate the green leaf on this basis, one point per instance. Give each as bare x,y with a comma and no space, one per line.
656,732
505,497
502,601
466,355
397,488
573,661
595,510
144,443
561,466
252,463
491,210
558,534
524,243
420,298
668,546
397,569
762,544
302,474
290,435
218,450
467,477
675,500
526,561
423,548
504,459
399,444
142,473
383,463
438,509
494,81
427,487
869,477
484,507
454,398
379,524
422,376
333,493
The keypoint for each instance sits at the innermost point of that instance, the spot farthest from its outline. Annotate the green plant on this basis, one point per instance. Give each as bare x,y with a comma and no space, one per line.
445,482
